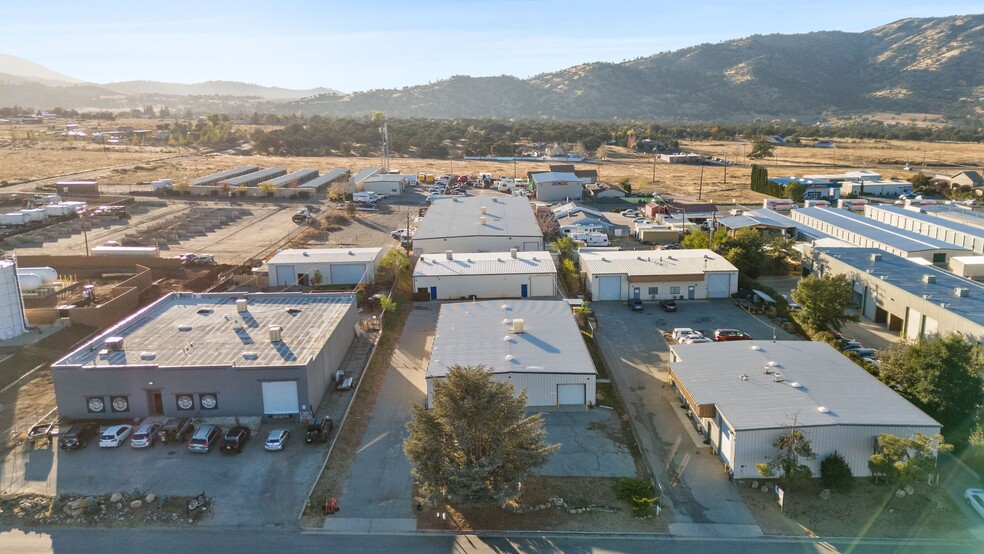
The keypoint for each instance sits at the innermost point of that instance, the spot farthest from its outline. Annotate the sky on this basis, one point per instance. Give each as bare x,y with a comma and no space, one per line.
361,45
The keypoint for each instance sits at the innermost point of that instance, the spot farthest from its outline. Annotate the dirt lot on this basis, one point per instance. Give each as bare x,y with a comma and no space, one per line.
867,511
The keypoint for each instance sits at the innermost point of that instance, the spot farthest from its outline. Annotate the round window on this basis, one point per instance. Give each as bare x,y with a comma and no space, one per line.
96,405
209,402
120,404
185,402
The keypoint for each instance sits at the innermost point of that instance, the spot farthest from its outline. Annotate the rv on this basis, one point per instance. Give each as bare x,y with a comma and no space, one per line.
854,205
778,204
591,239
816,204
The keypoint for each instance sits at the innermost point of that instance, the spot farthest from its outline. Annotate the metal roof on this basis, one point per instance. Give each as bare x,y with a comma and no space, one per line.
908,276
484,263
480,333
225,174
186,329
325,179
555,177
325,256
584,221
862,175
753,220
950,212
654,262
458,216
876,231
571,208
711,373
365,174
262,175
918,215
286,180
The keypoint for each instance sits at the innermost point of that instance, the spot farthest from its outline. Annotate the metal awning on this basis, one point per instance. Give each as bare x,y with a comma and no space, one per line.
765,297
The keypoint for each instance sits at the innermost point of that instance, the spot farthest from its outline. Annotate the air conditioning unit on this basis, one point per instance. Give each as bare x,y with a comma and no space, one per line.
961,291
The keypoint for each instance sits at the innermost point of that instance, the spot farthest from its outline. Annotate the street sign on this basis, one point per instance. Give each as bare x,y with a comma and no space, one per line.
196,503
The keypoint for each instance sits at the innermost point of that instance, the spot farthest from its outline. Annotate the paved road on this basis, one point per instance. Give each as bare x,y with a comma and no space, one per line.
104,541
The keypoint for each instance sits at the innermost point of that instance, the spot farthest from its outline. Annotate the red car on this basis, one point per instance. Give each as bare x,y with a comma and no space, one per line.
730,334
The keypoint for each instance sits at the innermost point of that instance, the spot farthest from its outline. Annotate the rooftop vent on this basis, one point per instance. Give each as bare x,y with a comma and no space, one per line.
928,279
293,311
962,292
204,311
148,355
483,210
518,326
823,409
114,344
777,378
509,357
250,355
505,307
506,321
305,253
507,338
483,220
449,254
796,385
184,327
513,252
756,347
875,257
870,270
743,377
275,333
241,305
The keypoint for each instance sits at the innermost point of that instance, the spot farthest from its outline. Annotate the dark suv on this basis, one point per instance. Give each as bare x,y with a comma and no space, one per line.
78,436
235,439
668,305
176,430
319,429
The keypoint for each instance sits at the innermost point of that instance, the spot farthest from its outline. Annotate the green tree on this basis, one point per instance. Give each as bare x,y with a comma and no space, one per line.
824,302
909,459
720,237
835,474
570,275
387,303
395,262
477,444
696,240
761,148
626,185
781,249
921,181
317,278
565,247
745,251
791,449
795,191
942,376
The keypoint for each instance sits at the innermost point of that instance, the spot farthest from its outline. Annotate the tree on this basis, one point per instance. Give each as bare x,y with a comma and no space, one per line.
720,237
791,449
909,459
626,185
317,278
942,376
268,188
387,303
781,249
835,474
745,251
477,444
395,262
761,148
824,302
921,181
565,247
570,275
795,191
696,240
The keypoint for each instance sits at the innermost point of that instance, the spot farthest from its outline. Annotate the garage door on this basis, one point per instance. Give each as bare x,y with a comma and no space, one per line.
726,444
718,285
285,275
570,394
913,324
280,397
542,285
347,274
610,287
531,247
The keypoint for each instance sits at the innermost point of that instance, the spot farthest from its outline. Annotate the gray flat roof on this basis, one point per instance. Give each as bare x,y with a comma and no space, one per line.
480,333
908,276
325,179
293,176
365,174
459,216
554,177
960,215
484,263
825,378
920,216
883,233
751,220
325,256
654,262
225,174
186,329
262,175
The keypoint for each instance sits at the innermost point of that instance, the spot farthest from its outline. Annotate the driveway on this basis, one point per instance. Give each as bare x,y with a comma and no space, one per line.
590,445
378,494
702,500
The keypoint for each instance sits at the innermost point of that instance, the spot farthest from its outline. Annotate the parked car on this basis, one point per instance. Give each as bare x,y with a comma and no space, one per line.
145,435
864,352
114,436
689,338
680,331
640,220
849,344
176,430
78,436
730,334
366,207
975,497
630,213
635,304
276,440
319,429
204,438
668,305
235,439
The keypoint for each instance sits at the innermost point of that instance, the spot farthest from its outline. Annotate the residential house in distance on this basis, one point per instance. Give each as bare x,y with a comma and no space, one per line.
602,191
969,178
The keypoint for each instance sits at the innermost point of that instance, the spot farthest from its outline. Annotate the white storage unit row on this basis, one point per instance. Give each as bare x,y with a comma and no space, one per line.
913,219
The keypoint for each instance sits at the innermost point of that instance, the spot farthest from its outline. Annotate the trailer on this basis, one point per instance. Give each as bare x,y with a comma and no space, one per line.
778,204
128,251
854,205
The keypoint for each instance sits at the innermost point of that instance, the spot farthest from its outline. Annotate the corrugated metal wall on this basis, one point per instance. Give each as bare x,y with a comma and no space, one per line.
541,389
487,286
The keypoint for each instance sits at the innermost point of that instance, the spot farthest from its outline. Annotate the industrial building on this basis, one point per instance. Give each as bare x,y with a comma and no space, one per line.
360,177
816,189
512,274
913,219
658,274
868,233
743,395
848,176
767,226
13,323
891,187
294,179
956,213
254,179
914,299
321,184
210,355
971,267
557,187
335,266
478,224
386,183
533,344
213,179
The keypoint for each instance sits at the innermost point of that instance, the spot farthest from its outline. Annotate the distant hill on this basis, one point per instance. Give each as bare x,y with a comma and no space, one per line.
14,69
221,88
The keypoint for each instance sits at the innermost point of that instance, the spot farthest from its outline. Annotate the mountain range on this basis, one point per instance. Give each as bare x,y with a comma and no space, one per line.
925,65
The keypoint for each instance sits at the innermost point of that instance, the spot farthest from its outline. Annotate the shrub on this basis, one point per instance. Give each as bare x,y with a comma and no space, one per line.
638,492
835,474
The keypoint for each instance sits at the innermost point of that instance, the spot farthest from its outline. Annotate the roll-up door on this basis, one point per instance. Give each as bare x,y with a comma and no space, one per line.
570,394
347,274
609,287
718,285
280,397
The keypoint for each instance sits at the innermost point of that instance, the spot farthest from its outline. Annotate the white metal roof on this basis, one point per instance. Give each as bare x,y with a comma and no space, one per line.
555,177
194,330
480,333
654,262
711,373
484,263
888,235
325,256
460,216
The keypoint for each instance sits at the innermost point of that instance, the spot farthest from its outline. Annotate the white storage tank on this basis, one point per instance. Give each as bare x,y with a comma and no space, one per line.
76,205
131,251
47,274
13,219
34,215
29,281
12,322
59,210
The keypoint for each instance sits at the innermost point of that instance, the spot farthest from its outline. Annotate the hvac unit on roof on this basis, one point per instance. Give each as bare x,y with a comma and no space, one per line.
875,257
276,332
242,305
928,279
518,326
114,344
483,210
962,292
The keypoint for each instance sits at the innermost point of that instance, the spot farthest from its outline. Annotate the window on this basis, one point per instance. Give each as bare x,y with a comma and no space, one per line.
95,404
674,290
653,291
209,401
120,404
185,402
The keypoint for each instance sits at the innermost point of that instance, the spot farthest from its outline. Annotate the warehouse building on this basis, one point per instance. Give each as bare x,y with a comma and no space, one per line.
533,344
478,224
514,274
335,266
868,233
386,183
913,299
658,275
848,176
359,178
213,179
557,187
913,219
320,185
210,355
767,226
956,213
294,179
815,189
742,397
891,187
253,179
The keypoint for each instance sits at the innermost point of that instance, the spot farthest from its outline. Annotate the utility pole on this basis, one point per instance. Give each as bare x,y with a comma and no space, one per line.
85,233
407,238
654,169
726,172
700,187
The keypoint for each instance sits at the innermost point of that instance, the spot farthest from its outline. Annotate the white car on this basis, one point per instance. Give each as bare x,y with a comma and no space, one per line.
114,436
630,213
695,340
975,497
276,440
640,220
687,338
677,332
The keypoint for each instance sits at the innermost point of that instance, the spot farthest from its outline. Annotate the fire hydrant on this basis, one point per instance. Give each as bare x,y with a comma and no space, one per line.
332,506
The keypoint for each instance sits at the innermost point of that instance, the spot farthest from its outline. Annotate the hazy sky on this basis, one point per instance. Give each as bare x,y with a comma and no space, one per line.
365,44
